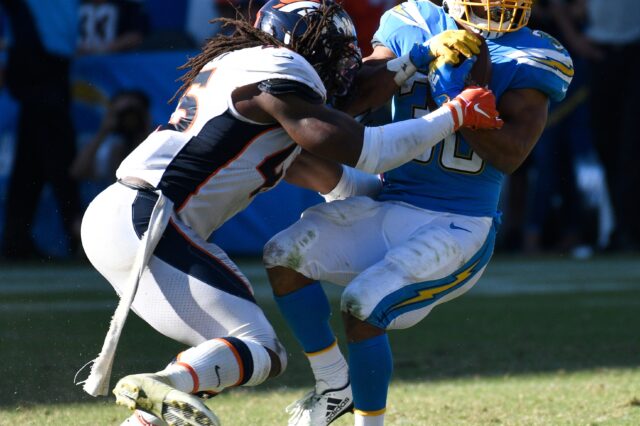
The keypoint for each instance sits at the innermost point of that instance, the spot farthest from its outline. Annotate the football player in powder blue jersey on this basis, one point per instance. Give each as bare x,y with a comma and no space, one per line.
425,235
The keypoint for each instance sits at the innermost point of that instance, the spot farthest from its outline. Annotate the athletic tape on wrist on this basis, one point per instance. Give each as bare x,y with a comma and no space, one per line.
403,69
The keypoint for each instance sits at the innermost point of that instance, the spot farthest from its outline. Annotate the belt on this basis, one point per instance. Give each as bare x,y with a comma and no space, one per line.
137,183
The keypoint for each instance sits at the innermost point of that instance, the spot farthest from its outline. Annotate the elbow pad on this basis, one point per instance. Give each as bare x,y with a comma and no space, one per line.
387,147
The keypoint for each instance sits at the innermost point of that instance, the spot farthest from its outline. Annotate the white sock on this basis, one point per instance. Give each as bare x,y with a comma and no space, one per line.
329,368
363,418
218,364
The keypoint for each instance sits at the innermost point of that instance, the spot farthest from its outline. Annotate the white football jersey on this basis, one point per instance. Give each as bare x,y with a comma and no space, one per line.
211,161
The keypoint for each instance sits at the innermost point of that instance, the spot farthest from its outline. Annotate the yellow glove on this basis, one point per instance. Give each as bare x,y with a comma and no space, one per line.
442,49
452,43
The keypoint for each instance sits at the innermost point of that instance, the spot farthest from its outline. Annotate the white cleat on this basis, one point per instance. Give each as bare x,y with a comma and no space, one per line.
321,409
149,393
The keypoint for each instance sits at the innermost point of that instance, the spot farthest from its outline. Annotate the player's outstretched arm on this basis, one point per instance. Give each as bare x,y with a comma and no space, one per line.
335,135
525,115
332,180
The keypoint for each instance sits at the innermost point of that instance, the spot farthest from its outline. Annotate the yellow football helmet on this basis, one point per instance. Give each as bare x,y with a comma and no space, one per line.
491,18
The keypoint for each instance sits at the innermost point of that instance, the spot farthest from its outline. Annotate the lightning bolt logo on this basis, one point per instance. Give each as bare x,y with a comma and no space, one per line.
431,293
563,68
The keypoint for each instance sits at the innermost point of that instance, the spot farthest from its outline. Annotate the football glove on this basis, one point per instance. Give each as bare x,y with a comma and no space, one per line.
447,47
475,108
447,81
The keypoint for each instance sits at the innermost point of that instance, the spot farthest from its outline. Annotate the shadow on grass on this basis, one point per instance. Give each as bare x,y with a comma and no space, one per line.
472,336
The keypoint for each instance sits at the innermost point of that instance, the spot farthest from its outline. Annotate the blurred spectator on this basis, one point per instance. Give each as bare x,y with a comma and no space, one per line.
611,44
127,122
554,202
108,26
42,40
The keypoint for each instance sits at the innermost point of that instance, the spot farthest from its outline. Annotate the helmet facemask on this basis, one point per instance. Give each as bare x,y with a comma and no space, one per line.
490,18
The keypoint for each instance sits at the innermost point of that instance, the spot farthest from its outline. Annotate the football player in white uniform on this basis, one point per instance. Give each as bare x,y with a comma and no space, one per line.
251,103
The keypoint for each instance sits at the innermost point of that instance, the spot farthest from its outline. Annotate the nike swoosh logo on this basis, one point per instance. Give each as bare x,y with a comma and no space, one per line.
454,227
477,108
217,370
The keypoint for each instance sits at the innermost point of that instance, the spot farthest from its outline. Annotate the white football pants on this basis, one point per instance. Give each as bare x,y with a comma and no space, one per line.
397,261
190,291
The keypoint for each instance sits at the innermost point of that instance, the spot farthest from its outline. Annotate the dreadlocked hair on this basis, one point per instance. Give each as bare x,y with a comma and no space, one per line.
317,38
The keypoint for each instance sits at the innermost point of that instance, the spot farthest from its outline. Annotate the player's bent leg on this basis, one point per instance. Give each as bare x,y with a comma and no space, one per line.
191,292
295,258
431,267
307,313
219,364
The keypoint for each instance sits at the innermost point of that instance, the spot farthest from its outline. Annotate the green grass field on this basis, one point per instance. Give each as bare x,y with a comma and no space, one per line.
538,342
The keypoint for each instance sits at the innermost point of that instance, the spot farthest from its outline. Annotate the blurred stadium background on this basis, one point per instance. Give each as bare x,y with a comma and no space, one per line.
549,336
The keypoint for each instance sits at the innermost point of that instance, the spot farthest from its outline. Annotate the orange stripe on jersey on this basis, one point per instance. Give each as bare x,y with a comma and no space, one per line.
238,360
216,171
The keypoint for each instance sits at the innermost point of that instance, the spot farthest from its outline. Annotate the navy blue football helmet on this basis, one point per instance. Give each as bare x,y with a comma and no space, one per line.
334,54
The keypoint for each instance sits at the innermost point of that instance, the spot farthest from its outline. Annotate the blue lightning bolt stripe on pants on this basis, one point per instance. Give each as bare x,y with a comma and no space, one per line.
420,295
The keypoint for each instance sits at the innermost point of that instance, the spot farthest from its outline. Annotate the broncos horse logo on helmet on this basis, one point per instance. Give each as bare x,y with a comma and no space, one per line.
490,18
322,32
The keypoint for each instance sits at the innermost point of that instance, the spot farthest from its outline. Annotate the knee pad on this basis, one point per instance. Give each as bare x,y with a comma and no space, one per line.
288,248
351,303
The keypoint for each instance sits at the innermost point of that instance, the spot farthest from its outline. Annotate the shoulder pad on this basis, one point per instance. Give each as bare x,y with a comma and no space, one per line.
409,23
544,65
276,63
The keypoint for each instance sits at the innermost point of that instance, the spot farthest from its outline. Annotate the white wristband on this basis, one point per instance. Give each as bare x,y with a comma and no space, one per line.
403,67
353,183
387,147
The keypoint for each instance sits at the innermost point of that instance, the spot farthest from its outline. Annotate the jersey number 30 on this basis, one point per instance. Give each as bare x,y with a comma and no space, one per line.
452,156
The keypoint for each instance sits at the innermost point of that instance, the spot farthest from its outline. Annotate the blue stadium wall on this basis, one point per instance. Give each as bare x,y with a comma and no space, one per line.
95,79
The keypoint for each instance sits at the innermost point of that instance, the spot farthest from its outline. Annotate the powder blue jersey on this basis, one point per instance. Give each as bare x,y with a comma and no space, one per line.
451,177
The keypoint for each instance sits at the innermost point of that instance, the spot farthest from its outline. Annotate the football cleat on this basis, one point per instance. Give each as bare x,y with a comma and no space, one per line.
320,409
150,393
